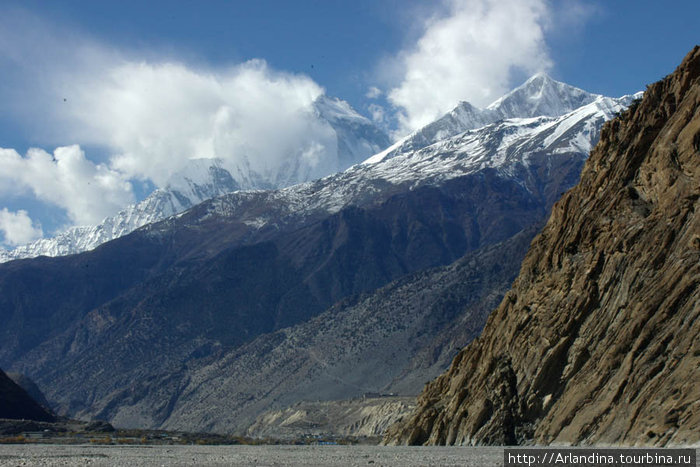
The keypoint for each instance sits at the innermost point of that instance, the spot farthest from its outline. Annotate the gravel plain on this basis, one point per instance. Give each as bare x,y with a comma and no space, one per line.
91,455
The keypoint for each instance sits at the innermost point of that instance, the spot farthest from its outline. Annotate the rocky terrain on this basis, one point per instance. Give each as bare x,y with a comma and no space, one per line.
393,340
180,324
363,417
15,403
597,342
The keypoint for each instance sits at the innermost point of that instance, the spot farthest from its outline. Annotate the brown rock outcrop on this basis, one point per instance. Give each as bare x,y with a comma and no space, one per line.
599,339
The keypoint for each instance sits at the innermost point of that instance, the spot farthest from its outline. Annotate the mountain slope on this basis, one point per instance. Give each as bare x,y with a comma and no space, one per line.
367,416
372,343
597,340
541,96
31,388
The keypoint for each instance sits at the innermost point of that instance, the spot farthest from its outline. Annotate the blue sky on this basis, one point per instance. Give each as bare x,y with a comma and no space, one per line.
70,69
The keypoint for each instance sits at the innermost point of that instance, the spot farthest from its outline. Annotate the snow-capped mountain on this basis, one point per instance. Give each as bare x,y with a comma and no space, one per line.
512,147
539,96
343,138
540,115
356,139
200,180
203,296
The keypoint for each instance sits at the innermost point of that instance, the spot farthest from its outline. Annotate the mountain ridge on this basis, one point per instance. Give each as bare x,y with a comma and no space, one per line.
16,404
539,96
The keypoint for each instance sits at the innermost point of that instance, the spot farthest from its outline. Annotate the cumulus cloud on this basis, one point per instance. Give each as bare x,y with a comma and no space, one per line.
156,116
470,53
88,192
152,112
17,227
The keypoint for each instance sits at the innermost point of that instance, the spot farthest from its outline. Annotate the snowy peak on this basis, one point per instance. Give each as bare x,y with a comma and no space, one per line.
199,180
541,96
343,138
356,136
335,110
463,117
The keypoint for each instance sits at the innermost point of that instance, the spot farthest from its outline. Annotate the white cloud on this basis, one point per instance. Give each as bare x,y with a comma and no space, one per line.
378,113
156,116
87,191
471,53
152,112
373,92
17,227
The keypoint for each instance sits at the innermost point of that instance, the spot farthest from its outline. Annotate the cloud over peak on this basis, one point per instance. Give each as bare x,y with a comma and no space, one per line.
156,116
470,53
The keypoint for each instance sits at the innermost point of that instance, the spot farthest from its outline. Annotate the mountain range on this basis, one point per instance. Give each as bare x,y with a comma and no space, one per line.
308,291
202,179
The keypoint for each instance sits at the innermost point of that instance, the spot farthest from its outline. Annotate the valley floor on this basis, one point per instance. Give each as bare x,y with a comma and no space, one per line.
55,455
240,455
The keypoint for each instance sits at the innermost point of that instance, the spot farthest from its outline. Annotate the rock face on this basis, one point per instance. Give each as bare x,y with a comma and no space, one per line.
15,403
597,342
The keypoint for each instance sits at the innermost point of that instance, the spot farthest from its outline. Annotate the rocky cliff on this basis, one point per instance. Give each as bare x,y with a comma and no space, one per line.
597,342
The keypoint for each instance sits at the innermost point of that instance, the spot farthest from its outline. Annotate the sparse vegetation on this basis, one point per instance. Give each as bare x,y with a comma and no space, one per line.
13,440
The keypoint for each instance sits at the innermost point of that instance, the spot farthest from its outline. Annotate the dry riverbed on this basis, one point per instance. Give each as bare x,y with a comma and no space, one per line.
71,455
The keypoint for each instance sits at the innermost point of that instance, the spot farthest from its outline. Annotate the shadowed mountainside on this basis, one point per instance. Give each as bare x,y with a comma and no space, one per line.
15,403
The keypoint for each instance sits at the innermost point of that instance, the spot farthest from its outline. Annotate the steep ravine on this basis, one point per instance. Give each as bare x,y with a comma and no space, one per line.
597,342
